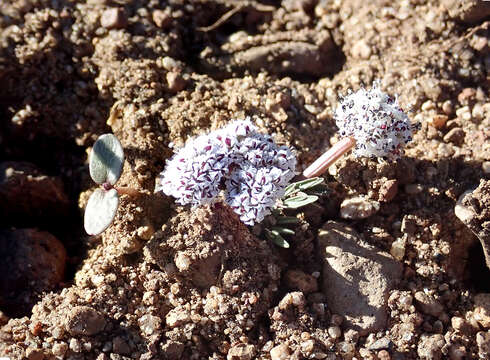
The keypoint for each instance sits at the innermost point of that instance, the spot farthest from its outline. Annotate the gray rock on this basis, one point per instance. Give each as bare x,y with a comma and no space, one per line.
357,277
430,347
428,304
358,208
84,321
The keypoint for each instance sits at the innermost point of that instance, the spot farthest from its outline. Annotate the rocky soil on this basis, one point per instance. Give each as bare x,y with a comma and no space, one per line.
389,265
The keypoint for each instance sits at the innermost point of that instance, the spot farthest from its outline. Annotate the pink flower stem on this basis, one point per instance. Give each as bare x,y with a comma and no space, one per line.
321,164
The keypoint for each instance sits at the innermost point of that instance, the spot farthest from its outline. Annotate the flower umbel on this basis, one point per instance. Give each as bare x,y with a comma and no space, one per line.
376,122
251,169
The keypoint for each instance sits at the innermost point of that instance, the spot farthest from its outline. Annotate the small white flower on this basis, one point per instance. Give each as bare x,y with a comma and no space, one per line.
249,166
375,121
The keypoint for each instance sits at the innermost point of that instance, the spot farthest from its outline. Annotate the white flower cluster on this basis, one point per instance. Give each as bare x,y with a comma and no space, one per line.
376,122
248,165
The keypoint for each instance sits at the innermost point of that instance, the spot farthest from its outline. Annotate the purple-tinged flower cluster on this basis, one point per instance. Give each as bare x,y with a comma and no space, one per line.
376,122
251,169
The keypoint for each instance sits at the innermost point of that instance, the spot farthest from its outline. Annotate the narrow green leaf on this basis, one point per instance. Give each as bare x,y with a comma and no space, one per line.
289,190
309,183
276,238
296,202
284,220
282,230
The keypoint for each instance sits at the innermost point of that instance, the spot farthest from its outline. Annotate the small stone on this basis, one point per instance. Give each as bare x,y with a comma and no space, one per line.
398,249
60,349
280,352
483,342
384,355
447,107
84,321
298,280
383,343
149,324
482,310
427,304
182,261
357,277
358,208
161,18
241,352
334,332
34,354
177,317
75,345
430,346
477,112
292,299
175,81
428,105
466,95
145,232
464,113
113,18
455,136
486,167
439,121
388,190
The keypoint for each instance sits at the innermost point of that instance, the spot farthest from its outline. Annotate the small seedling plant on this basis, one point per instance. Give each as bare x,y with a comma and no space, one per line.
105,165
372,124
238,165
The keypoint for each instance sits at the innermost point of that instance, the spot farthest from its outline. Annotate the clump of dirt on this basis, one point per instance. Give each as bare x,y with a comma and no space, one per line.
169,282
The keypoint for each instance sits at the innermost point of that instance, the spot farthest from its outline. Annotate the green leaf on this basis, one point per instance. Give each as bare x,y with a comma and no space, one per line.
106,160
285,220
289,190
282,230
276,238
309,183
298,201
100,211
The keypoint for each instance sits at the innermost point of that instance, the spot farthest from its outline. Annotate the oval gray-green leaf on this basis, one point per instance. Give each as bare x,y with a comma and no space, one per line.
106,160
100,211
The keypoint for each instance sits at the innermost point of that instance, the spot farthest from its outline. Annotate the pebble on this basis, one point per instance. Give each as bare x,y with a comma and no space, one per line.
447,107
241,352
428,304
113,18
149,324
439,121
177,317
481,312
280,352
477,112
384,355
84,321
75,345
388,190
466,95
358,208
298,280
464,113
483,342
457,352
59,349
398,249
428,105
486,167
182,261
161,18
334,332
383,343
430,346
455,136
175,81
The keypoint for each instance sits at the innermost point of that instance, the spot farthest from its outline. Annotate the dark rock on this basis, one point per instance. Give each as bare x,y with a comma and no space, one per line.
32,262
84,321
